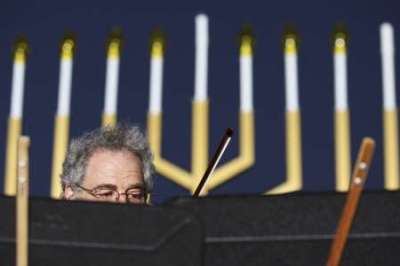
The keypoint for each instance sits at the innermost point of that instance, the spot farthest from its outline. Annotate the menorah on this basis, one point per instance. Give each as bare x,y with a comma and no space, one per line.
200,110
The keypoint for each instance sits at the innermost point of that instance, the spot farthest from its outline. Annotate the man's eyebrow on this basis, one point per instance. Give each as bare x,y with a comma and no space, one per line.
107,185
137,185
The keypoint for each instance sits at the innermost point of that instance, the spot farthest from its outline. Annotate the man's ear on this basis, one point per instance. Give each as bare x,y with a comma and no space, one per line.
68,192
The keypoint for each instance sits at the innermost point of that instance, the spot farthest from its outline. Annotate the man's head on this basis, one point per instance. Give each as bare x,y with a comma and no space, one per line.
109,164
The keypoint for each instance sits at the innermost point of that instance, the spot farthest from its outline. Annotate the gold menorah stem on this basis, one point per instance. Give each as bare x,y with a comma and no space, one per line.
293,149
391,150
14,132
342,150
199,141
108,119
61,136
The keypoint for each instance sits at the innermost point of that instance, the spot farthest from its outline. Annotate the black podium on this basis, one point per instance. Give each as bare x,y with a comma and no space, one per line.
296,229
293,229
86,233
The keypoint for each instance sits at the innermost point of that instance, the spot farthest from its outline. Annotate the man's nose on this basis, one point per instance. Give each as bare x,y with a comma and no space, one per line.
121,198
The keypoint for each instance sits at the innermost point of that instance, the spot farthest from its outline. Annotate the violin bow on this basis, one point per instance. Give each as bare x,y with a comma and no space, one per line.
214,161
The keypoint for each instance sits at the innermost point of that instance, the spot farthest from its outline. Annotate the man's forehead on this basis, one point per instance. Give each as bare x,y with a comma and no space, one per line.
111,151
114,167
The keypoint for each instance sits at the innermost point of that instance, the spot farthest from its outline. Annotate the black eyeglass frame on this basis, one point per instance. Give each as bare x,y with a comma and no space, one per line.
114,190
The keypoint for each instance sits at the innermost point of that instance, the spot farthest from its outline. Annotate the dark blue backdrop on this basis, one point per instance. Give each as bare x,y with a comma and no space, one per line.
45,22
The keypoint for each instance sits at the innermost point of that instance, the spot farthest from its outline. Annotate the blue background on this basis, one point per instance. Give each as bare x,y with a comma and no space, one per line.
45,22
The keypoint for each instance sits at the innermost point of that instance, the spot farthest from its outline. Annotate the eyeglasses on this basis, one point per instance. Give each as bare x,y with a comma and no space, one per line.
136,195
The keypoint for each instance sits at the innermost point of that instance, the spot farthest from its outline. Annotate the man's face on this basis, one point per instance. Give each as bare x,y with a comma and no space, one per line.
111,176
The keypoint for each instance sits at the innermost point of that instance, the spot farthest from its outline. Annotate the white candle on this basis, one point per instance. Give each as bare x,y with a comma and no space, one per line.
201,60
388,66
340,75
156,78
246,75
17,85
64,85
291,79
112,73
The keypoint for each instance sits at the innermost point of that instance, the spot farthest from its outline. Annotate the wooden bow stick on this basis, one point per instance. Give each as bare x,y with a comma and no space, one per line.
359,176
214,161
22,201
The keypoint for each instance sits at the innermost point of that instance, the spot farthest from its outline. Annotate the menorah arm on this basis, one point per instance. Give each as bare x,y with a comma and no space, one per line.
292,118
164,167
294,179
229,170
199,138
288,186
246,157
174,173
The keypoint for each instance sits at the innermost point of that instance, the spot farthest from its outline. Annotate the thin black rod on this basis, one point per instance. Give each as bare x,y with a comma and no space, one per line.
214,161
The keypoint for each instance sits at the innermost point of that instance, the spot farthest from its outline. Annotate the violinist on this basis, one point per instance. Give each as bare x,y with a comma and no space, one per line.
112,164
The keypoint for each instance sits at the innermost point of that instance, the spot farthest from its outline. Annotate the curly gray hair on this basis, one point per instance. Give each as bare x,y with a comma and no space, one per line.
120,137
